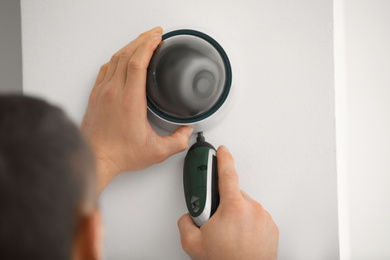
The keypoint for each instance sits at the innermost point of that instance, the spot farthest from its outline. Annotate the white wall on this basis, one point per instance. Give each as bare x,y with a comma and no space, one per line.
281,130
10,47
363,122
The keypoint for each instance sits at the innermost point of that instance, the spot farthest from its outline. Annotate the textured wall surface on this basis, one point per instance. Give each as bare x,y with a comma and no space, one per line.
280,131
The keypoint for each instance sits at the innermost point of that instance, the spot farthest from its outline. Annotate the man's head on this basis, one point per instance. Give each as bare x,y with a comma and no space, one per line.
47,184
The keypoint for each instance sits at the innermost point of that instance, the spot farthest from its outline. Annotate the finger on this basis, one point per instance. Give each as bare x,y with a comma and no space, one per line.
190,235
227,175
131,48
102,73
111,67
245,196
136,70
97,87
176,142
128,51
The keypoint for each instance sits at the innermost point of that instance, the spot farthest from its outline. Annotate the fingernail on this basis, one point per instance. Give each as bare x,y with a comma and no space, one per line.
155,35
190,130
224,148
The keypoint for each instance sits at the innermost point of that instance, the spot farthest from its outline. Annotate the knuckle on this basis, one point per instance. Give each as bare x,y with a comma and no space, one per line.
125,55
258,209
150,44
115,57
109,93
136,64
231,175
104,67
142,35
243,194
258,206
92,98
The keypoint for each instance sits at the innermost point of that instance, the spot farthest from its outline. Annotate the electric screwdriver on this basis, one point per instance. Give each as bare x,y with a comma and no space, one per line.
200,179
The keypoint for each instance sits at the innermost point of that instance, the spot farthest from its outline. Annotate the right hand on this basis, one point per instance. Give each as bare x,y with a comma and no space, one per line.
239,229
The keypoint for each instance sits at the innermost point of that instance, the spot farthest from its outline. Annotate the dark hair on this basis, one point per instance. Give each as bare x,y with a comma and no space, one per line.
46,173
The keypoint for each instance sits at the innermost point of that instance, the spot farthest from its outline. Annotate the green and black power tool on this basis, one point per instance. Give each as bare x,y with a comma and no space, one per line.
200,179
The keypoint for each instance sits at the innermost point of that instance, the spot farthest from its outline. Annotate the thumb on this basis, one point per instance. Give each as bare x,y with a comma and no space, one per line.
177,141
190,234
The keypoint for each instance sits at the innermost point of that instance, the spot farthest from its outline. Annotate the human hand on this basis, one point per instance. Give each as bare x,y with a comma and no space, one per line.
239,229
116,123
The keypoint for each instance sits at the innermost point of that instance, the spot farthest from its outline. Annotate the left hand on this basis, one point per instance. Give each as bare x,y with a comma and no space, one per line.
116,123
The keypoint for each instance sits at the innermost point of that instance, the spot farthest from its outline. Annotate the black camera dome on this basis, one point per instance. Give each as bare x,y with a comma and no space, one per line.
189,76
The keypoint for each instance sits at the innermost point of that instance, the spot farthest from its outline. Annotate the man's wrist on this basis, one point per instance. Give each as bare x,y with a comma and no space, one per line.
106,170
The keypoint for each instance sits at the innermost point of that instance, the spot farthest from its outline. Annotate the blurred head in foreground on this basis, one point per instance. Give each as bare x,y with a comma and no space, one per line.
48,195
